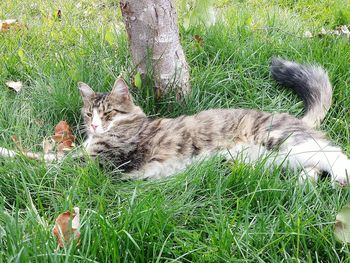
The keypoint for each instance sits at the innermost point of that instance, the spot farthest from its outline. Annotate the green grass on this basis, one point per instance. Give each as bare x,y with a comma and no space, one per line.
213,212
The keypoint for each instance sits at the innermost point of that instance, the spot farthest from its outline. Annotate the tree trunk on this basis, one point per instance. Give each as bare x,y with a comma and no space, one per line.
154,38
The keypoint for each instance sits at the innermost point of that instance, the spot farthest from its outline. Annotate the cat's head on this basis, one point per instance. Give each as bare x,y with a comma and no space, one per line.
103,110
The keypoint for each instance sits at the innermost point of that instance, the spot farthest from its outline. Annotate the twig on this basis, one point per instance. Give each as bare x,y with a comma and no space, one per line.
47,157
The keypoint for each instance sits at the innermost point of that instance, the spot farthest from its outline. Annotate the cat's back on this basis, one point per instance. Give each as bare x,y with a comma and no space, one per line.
191,135
216,128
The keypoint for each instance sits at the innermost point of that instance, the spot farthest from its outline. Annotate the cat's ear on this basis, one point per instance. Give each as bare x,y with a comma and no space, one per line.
120,89
85,91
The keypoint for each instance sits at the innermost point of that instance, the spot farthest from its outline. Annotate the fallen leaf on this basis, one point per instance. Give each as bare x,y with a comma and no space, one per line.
344,30
66,227
9,21
63,136
59,14
199,40
65,146
62,126
339,31
307,34
5,25
15,85
342,225
62,141
322,33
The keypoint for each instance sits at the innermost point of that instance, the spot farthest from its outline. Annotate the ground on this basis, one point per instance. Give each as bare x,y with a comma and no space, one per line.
213,212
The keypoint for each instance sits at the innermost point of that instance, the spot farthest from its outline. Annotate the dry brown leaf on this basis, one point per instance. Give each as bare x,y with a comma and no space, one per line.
65,146
15,85
199,40
63,137
5,25
62,126
59,14
66,227
61,142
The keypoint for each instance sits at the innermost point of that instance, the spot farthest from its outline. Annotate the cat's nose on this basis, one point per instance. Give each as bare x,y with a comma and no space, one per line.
94,126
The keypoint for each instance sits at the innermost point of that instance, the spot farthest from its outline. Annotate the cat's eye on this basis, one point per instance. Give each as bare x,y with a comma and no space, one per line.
120,111
107,113
88,114
114,110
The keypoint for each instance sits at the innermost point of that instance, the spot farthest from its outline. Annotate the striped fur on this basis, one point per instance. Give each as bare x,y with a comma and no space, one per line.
154,148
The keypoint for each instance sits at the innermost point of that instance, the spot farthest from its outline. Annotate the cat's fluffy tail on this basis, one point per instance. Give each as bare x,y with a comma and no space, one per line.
310,82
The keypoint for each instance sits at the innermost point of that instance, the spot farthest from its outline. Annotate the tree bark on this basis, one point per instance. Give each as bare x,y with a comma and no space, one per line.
154,38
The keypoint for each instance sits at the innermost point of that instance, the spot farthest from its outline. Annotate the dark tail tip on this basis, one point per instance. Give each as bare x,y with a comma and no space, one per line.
310,82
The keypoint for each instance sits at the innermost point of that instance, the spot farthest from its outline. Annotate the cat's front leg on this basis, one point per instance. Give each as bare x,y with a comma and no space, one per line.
87,143
157,169
151,170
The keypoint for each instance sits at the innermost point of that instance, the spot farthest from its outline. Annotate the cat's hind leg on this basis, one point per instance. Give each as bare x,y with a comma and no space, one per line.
321,155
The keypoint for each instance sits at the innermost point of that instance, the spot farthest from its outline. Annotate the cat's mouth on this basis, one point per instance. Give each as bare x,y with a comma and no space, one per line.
96,131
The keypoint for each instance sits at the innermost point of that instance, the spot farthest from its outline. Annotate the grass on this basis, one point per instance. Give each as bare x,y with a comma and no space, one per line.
214,211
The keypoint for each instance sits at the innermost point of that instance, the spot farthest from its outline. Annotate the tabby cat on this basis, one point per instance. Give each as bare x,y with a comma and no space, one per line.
120,133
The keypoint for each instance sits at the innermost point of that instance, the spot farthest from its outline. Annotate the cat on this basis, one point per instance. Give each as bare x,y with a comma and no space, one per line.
119,132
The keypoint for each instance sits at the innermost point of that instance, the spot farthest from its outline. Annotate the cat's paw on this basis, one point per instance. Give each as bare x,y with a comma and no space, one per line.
341,172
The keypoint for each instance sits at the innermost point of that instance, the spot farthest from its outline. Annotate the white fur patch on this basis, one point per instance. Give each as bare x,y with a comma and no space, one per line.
318,155
87,142
96,122
309,157
248,153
